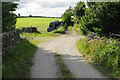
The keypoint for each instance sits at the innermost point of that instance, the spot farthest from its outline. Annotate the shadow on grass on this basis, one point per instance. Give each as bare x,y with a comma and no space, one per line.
17,63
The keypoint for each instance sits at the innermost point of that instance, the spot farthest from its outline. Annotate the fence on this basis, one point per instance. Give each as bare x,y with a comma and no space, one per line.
9,39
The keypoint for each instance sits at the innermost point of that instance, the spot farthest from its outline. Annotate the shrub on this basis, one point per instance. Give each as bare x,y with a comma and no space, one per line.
103,53
83,46
101,18
106,54
61,30
70,29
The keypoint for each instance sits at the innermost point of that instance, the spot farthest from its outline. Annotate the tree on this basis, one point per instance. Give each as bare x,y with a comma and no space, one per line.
19,15
101,18
30,15
79,10
66,16
8,17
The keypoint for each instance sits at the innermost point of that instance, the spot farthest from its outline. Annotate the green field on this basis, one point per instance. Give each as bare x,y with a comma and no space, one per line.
41,23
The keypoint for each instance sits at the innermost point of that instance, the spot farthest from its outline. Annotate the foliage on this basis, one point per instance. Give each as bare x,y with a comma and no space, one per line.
30,15
78,11
8,17
14,65
18,15
60,30
76,27
101,18
70,29
104,54
66,16
83,46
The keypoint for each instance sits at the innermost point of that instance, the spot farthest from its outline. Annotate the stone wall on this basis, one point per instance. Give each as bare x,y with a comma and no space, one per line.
9,39
29,29
115,36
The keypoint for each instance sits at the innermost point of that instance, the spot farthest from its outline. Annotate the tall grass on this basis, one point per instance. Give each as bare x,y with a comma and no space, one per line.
103,54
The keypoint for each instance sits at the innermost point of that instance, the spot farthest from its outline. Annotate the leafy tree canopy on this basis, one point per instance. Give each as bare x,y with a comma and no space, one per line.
66,16
100,17
8,17
79,10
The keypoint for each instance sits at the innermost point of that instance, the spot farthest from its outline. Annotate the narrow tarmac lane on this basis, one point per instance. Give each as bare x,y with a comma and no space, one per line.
45,64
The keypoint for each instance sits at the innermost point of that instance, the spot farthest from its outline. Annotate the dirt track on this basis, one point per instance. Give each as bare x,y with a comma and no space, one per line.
45,65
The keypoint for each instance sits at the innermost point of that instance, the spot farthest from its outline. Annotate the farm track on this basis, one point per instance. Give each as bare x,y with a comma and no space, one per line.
45,65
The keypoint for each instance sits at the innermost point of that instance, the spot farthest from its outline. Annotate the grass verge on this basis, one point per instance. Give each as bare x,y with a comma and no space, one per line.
37,39
65,72
17,63
70,29
39,35
102,55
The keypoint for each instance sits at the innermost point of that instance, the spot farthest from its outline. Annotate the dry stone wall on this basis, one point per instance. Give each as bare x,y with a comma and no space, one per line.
29,29
9,40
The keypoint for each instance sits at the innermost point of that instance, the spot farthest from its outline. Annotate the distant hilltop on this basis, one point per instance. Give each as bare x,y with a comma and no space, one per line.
39,16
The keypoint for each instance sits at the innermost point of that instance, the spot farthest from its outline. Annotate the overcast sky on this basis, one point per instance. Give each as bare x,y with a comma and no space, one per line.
51,8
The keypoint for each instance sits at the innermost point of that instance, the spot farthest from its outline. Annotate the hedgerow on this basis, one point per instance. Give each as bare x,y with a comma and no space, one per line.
104,54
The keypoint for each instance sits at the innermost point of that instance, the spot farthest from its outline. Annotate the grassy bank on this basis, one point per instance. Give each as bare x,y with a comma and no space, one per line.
102,54
65,72
18,61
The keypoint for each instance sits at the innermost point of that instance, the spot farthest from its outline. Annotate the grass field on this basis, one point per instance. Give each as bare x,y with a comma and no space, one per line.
41,23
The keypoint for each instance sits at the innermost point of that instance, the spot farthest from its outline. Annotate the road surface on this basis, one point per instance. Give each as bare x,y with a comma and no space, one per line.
45,65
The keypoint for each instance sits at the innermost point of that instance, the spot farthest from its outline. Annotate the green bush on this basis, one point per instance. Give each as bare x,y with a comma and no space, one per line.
70,29
104,54
60,30
83,46
100,17
66,16
76,27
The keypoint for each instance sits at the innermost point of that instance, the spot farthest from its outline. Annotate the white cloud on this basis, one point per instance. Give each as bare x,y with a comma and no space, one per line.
44,7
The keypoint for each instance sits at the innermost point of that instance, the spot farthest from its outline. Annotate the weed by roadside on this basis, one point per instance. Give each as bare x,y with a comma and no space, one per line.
65,72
